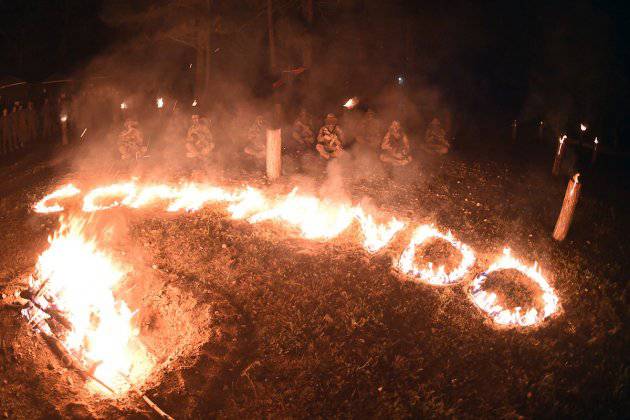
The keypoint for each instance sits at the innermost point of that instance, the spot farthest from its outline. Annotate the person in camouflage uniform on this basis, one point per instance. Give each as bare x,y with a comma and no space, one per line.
130,142
395,146
31,122
48,121
369,132
303,133
330,138
435,139
257,138
5,133
199,142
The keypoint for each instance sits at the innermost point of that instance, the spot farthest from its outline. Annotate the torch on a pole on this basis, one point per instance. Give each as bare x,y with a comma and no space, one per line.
557,161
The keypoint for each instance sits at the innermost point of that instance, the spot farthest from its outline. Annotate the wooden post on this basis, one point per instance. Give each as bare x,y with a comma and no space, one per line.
568,208
541,130
274,153
514,128
64,129
555,169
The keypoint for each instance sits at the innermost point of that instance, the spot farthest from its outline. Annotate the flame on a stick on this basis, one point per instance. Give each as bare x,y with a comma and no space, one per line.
160,102
351,103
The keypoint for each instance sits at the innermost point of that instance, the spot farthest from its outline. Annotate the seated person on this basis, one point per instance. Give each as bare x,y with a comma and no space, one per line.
369,132
435,139
395,146
199,142
303,134
257,138
130,142
330,138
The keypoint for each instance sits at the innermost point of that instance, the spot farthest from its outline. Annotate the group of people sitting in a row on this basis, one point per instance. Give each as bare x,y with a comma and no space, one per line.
393,146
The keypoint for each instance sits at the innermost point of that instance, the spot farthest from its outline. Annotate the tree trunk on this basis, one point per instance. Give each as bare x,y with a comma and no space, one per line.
307,48
202,69
272,43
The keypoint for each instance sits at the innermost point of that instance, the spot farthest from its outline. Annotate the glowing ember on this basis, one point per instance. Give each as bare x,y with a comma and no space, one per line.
351,103
487,302
160,102
63,118
123,105
78,280
66,191
429,274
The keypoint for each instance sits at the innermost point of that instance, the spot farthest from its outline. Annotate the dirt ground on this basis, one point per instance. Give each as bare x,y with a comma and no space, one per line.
264,324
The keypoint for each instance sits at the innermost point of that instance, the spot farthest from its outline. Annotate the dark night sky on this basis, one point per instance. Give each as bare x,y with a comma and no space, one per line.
496,56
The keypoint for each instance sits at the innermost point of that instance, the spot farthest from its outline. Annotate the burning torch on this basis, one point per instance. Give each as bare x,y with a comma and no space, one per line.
583,129
594,155
351,103
559,154
63,118
160,102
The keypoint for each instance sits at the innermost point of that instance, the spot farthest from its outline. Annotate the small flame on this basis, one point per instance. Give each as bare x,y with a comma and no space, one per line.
351,103
561,142
487,302
377,236
583,127
160,102
596,141
194,103
63,117
123,105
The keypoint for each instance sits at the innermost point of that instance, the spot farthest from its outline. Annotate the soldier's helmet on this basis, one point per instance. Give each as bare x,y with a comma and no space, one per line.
395,125
435,122
331,119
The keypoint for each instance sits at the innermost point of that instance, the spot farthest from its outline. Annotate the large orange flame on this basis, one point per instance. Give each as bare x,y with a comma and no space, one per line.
79,280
